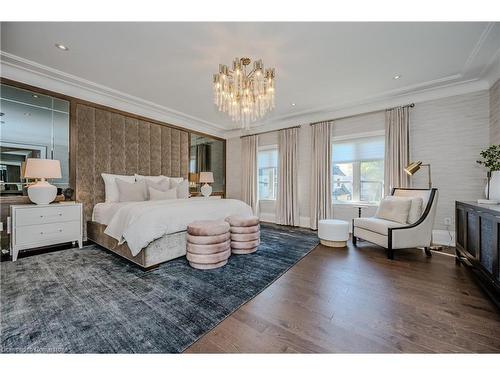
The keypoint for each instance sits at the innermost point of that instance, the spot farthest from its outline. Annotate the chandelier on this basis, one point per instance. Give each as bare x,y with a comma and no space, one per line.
245,96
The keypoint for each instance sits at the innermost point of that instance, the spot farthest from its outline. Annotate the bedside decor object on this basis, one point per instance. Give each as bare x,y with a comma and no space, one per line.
44,225
42,192
413,167
206,178
68,193
491,161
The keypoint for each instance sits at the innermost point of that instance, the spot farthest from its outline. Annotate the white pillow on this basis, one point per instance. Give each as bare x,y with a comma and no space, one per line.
139,177
131,191
175,180
394,209
155,195
110,187
415,209
182,188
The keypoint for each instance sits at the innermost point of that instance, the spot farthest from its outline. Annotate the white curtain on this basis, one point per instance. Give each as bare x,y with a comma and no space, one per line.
249,172
321,169
287,202
397,148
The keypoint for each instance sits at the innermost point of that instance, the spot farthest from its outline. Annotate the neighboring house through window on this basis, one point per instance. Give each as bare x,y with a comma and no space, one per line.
358,169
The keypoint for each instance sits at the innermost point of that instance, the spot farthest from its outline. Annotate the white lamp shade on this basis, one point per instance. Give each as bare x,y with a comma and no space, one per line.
206,177
42,168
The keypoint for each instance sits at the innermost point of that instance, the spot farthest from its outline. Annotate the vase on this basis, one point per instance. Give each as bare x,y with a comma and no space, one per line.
494,186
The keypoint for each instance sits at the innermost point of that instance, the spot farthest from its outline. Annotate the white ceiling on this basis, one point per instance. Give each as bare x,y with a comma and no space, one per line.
318,65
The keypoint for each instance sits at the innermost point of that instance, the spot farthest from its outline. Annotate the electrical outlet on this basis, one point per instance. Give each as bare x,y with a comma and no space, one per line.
447,221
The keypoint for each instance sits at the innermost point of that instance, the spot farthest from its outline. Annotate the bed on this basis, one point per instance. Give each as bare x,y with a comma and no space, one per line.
152,232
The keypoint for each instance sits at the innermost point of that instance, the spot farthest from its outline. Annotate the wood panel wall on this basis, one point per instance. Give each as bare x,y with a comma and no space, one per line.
109,142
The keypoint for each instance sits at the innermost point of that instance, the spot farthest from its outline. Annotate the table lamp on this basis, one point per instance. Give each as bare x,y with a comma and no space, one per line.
42,192
206,178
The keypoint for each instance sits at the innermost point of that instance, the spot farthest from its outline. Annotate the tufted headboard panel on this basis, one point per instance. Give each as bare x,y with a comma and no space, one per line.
111,142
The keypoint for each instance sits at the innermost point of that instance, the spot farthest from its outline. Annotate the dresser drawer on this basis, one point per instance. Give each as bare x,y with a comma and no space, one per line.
44,233
44,215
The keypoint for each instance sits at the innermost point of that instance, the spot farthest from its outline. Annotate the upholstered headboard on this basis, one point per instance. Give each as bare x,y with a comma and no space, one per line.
114,143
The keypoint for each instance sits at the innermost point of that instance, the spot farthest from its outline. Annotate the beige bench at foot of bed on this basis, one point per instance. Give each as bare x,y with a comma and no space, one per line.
161,250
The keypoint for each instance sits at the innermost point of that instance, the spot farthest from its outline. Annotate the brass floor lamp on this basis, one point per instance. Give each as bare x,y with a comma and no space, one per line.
411,169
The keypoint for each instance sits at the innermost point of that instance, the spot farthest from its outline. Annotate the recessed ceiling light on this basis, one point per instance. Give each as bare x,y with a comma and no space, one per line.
62,47
292,104
35,96
397,76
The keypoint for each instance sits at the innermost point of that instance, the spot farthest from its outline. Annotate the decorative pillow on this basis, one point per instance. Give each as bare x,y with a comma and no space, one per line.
161,185
415,210
156,195
131,192
159,178
394,209
182,188
176,180
110,187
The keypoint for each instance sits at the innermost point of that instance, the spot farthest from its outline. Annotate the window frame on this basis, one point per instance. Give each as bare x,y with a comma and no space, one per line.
356,170
270,147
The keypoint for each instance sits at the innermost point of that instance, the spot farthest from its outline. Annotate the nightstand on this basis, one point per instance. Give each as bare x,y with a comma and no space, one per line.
44,224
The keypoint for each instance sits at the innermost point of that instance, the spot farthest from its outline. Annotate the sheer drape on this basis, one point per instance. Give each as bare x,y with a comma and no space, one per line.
249,172
321,169
397,148
287,203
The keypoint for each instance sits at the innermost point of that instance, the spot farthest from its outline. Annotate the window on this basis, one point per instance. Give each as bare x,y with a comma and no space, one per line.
358,170
267,164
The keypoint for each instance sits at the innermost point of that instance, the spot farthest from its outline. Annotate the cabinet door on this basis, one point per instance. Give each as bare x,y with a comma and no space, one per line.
486,251
472,233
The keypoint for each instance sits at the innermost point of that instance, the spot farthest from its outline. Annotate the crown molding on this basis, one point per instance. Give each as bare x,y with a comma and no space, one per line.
26,71
386,100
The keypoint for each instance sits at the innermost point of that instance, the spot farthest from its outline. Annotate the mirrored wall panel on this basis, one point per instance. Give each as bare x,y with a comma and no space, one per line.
32,126
206,155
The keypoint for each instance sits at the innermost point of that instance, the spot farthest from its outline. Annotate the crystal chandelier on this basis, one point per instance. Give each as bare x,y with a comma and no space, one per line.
244,96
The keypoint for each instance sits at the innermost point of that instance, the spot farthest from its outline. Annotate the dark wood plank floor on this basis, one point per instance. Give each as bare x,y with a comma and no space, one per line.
357,301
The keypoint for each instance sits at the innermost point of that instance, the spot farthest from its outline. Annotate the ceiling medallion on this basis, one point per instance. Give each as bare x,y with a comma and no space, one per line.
244,96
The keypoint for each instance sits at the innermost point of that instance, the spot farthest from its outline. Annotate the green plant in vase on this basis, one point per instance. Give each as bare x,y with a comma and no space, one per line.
491,161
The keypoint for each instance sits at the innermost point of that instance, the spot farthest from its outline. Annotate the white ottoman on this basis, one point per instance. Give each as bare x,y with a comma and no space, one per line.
333,233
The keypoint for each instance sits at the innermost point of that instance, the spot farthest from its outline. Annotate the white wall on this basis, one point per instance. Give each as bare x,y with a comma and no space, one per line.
449,133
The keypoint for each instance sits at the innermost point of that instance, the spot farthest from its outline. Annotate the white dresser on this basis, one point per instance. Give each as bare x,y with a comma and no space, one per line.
43,225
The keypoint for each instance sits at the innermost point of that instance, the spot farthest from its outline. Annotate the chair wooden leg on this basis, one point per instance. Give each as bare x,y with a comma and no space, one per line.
428,251
390,253
354,240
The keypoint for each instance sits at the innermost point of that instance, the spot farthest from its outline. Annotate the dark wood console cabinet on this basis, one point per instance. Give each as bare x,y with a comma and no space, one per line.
478,245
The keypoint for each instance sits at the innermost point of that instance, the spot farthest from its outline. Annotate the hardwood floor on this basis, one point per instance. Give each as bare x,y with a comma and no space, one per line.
357,301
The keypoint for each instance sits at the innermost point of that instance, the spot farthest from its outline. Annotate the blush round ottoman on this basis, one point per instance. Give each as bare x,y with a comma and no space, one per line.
245,234
333,233
208,244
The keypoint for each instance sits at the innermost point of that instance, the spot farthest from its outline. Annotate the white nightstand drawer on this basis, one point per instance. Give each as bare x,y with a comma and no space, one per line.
55,232
43,215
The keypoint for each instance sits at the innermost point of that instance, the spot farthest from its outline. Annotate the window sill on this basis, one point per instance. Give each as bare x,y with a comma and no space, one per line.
355,204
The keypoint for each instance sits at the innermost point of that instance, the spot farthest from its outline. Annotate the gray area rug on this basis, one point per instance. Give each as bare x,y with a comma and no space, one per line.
92,301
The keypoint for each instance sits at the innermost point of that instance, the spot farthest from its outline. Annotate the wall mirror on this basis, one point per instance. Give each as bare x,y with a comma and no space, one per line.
33,125
206,155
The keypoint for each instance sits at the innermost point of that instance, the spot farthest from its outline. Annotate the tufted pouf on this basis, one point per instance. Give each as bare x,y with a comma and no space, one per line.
208,244
333,233
245,234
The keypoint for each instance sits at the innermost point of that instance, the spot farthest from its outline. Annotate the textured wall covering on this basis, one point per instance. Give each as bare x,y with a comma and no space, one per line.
449,133
495,114
112,143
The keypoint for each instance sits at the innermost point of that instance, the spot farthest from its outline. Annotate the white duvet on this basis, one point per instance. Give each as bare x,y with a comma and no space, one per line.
139,223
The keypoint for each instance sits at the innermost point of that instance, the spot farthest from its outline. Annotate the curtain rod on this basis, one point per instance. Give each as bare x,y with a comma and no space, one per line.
411,105
270,131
